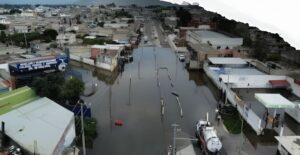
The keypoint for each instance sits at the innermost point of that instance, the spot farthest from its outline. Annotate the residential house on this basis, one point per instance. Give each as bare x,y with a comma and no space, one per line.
106,56
66,39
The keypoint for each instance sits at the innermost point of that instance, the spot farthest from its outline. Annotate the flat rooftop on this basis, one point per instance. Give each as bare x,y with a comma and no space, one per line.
274,100
290,143
203,48
227,61
42,121
236,71
247,95
210,34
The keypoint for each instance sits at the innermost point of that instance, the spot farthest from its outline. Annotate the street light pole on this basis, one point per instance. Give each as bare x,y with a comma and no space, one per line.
174,139
82,129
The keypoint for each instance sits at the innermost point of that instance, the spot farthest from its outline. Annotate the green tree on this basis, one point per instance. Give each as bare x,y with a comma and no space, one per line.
184,17
49,86
2,27
73,88
15,11
3,37
260,49
101,24
50,33
19,38
123,13
130,21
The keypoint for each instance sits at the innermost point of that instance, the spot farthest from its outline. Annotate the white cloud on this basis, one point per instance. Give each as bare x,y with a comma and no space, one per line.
277,16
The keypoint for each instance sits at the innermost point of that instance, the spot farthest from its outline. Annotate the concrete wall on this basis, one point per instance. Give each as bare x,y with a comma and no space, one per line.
223,43
103,66
75,57
263,67
88,61
252,119
170,39
4,67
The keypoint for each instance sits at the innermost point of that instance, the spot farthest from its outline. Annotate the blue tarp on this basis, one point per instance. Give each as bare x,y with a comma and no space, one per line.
77,111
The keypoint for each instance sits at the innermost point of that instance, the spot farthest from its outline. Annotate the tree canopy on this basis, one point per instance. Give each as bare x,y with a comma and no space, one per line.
123,13
184,17
50,86
73,89
2,27
97,41
51,33
55,87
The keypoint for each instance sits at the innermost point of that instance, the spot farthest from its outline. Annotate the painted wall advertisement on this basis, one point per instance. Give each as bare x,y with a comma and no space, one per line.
36,65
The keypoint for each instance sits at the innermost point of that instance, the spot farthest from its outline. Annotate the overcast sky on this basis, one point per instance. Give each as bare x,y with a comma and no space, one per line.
36,1
277,16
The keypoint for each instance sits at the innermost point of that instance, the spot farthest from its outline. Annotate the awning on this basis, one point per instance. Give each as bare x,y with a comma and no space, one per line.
279,83
297,81
274,101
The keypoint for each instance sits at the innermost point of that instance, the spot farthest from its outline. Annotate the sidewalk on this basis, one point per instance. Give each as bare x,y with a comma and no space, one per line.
237,144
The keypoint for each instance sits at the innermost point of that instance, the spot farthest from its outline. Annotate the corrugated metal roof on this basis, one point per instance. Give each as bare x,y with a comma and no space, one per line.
42,122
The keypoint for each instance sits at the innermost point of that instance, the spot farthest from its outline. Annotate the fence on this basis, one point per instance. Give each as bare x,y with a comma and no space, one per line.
248,114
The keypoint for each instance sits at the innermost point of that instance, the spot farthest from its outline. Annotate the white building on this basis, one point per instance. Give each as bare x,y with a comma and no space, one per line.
28,13
23,28
4,21
214,39
66,39
40,126
171,21
115,25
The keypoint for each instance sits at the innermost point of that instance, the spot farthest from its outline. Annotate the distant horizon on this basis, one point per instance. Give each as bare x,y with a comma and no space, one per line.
83,2
34,2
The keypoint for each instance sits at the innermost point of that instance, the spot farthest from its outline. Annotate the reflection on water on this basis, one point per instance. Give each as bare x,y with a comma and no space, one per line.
196,77
267,139
134,97
292,124
100,74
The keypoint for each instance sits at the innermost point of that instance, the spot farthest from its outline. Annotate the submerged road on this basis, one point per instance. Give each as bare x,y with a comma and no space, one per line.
143,97
145,130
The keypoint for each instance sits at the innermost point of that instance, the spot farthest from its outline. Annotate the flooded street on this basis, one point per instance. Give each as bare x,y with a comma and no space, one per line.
137,94
145,130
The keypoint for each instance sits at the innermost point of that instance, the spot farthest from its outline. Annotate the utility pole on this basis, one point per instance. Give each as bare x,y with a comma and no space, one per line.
174,138
110,115
82,129
25,41
129,90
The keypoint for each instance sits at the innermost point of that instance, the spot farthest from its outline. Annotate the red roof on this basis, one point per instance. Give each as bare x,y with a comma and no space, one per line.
279,82
297,81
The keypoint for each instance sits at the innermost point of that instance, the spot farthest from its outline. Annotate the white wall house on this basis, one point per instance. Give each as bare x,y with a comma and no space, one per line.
21,28
66,39
4,21
215,39
171,21
115,25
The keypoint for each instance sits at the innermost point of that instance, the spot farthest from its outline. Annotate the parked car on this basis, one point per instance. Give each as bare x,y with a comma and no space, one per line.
181,57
